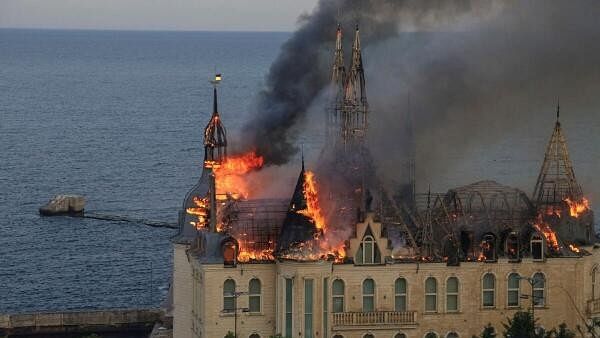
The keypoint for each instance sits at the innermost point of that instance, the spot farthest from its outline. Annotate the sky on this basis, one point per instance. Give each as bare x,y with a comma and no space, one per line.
215,15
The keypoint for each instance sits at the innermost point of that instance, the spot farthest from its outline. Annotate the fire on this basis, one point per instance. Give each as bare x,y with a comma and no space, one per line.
229,175
311,194
578,208
200,209
545,229
574,248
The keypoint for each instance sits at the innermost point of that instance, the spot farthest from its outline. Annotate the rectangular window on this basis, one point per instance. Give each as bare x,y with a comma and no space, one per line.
452,294
430,303
288,307
513,290
325,306
308,308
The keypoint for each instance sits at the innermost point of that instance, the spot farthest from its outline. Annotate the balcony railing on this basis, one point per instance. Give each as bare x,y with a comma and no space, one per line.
375,318
594,306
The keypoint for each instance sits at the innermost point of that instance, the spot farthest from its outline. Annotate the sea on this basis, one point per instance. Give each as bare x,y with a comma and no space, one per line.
118,116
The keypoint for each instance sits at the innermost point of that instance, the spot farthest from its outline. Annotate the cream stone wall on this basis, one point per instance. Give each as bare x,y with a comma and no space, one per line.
182,292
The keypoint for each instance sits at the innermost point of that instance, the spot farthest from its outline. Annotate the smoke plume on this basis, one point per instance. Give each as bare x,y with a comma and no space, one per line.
477,74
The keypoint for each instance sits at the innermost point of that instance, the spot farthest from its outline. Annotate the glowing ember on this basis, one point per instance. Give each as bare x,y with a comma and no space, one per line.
578,208
200,209
574,248
230,175
545,229
311,194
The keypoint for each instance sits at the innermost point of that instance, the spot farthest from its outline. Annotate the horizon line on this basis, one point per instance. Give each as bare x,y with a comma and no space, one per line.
145,30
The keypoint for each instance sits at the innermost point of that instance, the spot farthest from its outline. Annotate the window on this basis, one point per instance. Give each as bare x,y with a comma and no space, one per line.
512,246
368,335
430,295
431,335
537,247
488,247
229,295
368,252
400,335
488,290
338,336
254,335
452,335
452,294
325,306
368,295
254,291
539,284
400,291
338,296
229,253
308,308
514,289
288,307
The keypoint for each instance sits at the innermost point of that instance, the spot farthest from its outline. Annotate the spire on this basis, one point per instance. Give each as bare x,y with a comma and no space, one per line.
558,110
297,227
556,180
215,135
354,124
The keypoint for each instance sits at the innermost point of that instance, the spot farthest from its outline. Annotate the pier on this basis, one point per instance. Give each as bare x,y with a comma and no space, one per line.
104,323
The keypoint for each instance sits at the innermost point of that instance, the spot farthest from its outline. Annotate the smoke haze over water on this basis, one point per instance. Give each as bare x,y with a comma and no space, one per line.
477,73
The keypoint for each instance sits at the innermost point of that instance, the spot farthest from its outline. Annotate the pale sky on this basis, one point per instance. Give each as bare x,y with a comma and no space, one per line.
241,15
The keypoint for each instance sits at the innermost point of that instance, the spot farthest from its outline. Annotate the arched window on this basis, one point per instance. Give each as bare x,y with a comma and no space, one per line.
539,286
368,335
400,335
368,252
512,246
229,295
254,292
338,336
452,294
368,295
338,295
452,335
488,290
431,335
537,247
254,335
514,289
400,292
430,295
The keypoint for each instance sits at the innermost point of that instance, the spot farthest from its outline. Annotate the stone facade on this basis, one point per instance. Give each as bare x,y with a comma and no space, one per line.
571,294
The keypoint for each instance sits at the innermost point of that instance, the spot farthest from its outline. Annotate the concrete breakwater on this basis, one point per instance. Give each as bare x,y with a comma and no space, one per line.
106,323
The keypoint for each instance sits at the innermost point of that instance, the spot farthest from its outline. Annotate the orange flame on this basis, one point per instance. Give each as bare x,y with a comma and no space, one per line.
574,248
311,194
578,208
229,175
546,230
200,210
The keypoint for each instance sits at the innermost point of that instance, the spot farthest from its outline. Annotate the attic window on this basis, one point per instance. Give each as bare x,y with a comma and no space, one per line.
368,252
512,246
537,247
488,247
229,253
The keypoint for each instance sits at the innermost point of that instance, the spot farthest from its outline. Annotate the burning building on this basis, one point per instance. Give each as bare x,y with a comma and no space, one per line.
345,256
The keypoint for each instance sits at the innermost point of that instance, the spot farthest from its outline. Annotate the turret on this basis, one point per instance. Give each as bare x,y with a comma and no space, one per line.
215,137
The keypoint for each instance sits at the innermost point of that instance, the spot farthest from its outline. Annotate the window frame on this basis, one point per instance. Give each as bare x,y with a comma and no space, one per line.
342,297
431,294
537,238
435,334
403,295
231,297
539,289
255,295
509,290
369,295
371,240
492,290
453,294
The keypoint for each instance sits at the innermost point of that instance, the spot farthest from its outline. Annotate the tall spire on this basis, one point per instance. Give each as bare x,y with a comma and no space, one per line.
354,124
338,80
556,180
215,135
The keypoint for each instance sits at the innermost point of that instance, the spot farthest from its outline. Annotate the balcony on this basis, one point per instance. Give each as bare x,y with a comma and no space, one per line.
594,306
378,318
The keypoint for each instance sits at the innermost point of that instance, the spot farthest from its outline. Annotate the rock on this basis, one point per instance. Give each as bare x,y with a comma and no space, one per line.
64,205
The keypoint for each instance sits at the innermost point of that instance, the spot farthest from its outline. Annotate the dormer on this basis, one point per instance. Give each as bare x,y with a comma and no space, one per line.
369,247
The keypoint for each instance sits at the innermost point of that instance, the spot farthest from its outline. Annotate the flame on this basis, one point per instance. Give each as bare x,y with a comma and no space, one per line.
578,208
485,246
200,210
229,175
546,230
574,248
311,194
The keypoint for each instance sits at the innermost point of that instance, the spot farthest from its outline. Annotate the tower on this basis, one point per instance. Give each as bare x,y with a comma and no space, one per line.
354,116
338,80
556,181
